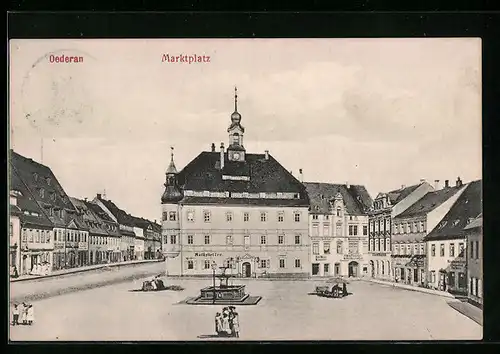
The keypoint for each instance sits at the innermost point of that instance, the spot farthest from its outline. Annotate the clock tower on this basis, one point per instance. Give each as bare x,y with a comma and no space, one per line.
235,150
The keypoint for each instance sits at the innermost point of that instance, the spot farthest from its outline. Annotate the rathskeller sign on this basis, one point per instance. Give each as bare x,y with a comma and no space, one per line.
207,254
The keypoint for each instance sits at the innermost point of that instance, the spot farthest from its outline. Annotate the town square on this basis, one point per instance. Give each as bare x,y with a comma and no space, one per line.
333,197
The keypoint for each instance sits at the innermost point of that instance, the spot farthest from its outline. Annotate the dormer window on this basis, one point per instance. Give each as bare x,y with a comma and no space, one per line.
48,181
42,193
35,176
338,211
455,223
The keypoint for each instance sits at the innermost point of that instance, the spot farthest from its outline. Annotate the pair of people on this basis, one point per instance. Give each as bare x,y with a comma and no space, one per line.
40,269
23,314
227,324
13,271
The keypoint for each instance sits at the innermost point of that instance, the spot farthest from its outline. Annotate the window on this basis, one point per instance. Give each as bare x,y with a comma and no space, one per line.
190,264
338,211
246,216
35,176
415,249
315,268
326,247
11,230
315,231
339,247
282,263
395,229
351,230
207,239
452,250
297,263
371,245
338,229
206,264
387,244
315,217
433,250
365,230
229,240
247,241
422,249
355,230
327,217
403,249
172,216
42,193
263,263
296,217
173,239
415,226
263,216
25,236
281,239
396,249
263,240
281,216
48,181
472,249
190,239
477,249
37,236
190,216
297,239
315,248
433,276
206,216
461,247
229,216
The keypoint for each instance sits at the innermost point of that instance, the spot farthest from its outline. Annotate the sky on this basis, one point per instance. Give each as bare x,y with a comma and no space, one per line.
376,112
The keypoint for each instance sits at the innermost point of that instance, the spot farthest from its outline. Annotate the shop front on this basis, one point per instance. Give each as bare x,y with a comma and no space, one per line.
83,254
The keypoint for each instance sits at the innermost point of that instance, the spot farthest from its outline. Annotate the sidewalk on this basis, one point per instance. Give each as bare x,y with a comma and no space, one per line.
411,288
81,269
468,310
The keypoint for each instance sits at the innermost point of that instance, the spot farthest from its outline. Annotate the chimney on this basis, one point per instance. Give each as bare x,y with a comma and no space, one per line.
85,198
266,154
301,176
422,180
213,147
459,182
447,183
221,156
348,185
403,186
99,196
436,184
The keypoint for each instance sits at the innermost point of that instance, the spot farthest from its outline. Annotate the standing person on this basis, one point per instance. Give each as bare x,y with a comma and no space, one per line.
30,314
236,324
226,331
218,323
344,289
23,311
15,315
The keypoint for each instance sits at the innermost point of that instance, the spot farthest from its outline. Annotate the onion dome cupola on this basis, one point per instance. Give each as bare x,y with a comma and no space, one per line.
236,150
173,193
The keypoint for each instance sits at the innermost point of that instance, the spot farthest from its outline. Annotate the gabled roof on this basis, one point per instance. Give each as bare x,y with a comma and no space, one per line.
92,221
26,202
202,174
466,208
397,195
477,223
121,216
36,177
356,198
429,202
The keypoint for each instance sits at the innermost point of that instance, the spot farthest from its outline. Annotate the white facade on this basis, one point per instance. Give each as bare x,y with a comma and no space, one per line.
447,264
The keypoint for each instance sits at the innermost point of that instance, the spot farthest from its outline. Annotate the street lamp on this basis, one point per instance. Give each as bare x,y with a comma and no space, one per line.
214,267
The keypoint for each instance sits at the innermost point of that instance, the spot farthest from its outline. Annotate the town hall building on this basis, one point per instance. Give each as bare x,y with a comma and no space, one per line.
235,208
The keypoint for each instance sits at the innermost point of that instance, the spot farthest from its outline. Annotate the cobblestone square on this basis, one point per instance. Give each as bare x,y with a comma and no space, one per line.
286,312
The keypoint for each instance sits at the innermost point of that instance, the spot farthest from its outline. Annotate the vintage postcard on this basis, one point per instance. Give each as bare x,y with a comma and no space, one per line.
245,189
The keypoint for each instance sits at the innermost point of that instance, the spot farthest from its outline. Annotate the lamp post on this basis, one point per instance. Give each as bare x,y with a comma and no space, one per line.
214,267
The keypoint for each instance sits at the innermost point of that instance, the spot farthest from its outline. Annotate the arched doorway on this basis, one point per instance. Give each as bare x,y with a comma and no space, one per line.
372,268
353,269
246,269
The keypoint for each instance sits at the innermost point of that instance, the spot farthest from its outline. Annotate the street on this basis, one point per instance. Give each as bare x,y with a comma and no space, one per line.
286,312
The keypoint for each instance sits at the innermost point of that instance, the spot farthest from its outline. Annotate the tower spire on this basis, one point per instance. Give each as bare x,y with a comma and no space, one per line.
235,99
171,168
172,154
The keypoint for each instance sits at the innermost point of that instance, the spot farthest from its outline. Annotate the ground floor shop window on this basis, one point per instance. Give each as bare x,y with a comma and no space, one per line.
326,268
462,282
451,279
337,269
315,268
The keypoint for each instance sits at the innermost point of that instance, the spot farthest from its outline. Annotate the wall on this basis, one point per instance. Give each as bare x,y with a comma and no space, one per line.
15,240
218,229
475,266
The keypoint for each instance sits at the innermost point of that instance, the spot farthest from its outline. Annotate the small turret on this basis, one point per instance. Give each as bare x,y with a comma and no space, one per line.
173,193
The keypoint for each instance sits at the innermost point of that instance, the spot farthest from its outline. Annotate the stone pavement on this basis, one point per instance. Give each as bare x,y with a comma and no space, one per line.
80,269
411,288
469,310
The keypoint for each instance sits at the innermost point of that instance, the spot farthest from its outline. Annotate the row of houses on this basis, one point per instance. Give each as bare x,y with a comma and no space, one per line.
429,236
50,230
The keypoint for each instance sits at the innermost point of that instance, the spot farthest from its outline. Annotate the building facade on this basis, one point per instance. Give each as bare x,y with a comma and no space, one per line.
385,207
475,261
447,242
233,208
410,252
14,234
338,229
